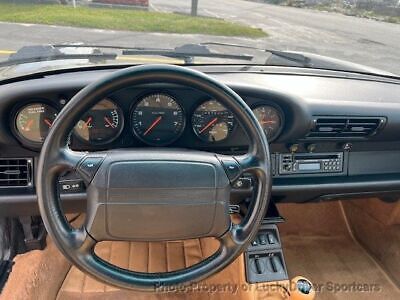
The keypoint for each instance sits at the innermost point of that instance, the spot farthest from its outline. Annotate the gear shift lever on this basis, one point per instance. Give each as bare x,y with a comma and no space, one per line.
301,289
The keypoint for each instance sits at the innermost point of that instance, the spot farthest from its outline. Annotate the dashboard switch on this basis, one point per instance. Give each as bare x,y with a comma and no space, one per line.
311,148
243,183
71,186
89,166
294,148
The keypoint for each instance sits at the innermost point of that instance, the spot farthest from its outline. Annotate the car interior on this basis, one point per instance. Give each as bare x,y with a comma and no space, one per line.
160,181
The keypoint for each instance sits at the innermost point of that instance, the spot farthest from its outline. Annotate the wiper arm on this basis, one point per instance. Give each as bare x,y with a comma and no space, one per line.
186,52
231,45
298,58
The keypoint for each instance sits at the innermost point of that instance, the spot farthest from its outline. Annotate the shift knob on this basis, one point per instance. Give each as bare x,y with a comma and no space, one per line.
301,289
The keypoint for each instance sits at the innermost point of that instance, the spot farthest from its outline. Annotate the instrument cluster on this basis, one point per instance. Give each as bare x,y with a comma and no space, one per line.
156,119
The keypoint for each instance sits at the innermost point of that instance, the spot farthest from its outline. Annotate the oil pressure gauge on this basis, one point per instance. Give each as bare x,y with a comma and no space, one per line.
100,125
33,122
270,119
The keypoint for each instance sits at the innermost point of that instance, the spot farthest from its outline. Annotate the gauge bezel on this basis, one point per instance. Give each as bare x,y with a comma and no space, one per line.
110,140
280,113
235,124
14,114
138,100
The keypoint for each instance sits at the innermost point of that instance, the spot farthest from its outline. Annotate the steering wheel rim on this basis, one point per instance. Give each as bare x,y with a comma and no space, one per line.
77,245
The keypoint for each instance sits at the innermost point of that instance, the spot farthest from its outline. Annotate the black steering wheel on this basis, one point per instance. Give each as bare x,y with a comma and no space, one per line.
153,194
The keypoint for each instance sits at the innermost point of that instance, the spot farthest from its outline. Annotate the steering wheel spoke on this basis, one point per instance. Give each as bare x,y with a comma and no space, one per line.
236,166
85,243
78,240
232,237
250,163
66,159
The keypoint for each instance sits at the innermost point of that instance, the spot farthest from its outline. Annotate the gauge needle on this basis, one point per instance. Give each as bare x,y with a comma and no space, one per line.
211,123
156,121
268,122
109,122
88,121
28,125
47,121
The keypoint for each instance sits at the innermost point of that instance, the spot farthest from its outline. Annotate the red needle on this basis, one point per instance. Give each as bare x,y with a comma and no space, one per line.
88,121
29,124
268,122
109,122
156,121
211,123
47,121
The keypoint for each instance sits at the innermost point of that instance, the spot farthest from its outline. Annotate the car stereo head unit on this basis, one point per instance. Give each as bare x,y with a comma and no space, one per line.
310,163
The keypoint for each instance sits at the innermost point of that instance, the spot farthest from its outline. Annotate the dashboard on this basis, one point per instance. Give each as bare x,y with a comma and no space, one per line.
332,135
153,119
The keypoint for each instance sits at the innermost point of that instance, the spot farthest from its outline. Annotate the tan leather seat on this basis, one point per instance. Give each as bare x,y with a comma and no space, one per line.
167,256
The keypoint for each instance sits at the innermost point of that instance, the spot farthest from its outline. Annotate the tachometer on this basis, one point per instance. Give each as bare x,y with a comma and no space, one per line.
212,122
158,119
33,122
270,120
102,124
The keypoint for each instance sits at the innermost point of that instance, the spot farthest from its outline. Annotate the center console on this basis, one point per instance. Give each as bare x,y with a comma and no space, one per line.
264,257
264,260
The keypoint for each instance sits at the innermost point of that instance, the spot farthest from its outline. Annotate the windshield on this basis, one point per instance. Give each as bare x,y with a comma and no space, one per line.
347,35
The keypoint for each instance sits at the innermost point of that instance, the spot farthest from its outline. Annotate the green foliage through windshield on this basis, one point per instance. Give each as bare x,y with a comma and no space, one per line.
123,19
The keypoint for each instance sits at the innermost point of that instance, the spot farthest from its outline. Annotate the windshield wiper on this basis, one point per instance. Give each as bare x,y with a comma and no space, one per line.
32,54
187,52
298,58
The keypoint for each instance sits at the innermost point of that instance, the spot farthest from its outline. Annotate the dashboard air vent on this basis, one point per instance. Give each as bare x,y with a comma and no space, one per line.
15,172
345,127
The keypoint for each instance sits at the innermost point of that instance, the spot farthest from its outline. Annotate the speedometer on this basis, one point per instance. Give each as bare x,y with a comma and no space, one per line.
212,122
158,119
